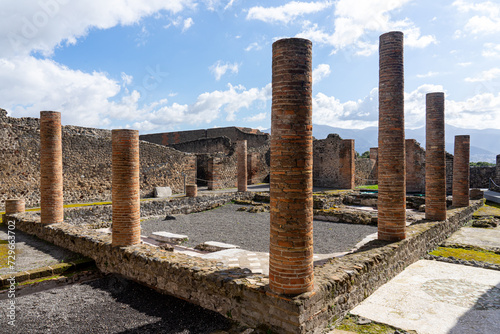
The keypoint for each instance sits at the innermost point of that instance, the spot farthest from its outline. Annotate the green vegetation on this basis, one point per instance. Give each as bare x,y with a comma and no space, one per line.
365,154
4,253
481,164
349,323
467,254
488,209
368,187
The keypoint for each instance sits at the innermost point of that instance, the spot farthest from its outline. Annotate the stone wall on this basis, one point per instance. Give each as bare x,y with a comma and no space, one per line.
340,284
86,163
365,168
206,145
415,167
254,137
480,176
329,158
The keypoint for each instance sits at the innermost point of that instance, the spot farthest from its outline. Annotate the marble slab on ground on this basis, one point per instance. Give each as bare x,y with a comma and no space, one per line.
484,238
434,297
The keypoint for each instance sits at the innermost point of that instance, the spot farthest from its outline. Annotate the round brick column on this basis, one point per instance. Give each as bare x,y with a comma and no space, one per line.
241,150
51,172
391,139
16,205
461,171
126,230
435,158
291,246
191,190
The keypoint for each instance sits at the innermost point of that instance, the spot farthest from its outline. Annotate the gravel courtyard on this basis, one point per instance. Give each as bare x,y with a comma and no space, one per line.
250,231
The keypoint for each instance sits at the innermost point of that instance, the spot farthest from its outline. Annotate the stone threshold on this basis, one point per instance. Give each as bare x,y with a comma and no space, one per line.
340,283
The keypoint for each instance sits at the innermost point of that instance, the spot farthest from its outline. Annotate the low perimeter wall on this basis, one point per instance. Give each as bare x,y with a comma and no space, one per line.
340,284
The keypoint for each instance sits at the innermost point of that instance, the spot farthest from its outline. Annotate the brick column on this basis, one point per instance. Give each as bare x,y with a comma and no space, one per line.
291,246
461,171
435,158
126,230
213,173
241,151
51,173
391,139
16,205
190,170
191,190
347,157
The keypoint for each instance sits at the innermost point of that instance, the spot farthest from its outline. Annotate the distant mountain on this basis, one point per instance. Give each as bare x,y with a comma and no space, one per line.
484,143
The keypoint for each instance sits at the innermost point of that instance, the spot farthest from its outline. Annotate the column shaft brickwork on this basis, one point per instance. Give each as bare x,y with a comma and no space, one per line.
391,139
191,190
51,174
213,173
126,229
435,158
190,170
347,170
461,171
291,246
16,205
241,151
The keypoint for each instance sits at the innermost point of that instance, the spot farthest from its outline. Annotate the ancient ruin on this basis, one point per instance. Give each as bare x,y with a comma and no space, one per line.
301,291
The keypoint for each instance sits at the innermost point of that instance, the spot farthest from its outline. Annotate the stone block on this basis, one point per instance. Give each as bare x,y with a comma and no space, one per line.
168,237
214,246
476,194
162,192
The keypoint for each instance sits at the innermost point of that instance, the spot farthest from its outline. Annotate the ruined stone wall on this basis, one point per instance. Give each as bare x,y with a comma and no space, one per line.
415,167
328,162
206,145
258,162
364,171
480,176
86,163
254,137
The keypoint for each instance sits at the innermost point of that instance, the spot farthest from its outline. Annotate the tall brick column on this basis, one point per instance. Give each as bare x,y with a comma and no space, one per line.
241,151
213,173
391,139
291,247
51,173
190,169
435,158
461,171
347,157
126,230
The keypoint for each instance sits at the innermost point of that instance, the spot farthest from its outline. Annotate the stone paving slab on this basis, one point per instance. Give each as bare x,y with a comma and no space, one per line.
484,238
433,297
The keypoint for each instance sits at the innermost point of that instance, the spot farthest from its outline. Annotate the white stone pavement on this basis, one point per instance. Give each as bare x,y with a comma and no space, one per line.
434,297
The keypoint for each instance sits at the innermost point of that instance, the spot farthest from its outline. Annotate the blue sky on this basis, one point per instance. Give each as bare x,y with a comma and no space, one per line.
176,65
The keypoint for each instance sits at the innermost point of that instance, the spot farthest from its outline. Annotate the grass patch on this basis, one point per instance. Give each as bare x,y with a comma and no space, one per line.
4,253
349,323
467,254
488,209
368,187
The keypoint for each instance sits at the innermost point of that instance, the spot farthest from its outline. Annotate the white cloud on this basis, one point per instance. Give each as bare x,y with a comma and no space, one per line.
229,4
478,112
415,105
428,74
286,13
41,25
491,50
220,68
486,19
256,118
188,23
126,79
352,23
253,46
465,64
485,75
320,72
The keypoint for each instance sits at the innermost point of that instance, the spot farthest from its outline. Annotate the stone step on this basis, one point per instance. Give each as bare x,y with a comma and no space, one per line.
215,246
171,238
